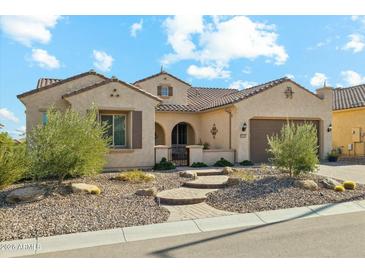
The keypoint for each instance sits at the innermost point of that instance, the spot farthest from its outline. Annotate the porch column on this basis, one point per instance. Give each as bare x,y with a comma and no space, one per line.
161,151
195,153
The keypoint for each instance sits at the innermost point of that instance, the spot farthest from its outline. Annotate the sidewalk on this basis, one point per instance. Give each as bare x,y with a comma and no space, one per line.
129,234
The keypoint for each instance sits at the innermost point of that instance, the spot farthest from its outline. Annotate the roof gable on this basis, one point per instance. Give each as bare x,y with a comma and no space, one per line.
159,74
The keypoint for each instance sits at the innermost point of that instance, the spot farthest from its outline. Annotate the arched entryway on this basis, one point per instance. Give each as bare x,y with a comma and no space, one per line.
182,134
159,135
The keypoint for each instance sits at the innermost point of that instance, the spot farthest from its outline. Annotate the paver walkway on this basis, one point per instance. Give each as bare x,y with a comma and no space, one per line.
187,202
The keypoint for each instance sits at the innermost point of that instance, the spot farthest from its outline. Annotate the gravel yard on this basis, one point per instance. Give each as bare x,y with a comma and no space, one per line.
269,192
63,212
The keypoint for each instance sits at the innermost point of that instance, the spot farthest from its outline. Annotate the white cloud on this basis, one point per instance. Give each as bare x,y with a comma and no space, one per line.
44,59
102,60
352,78
29,29
356,43
318,79
207,72
8,115
240,84
218,41
290,76
358,18
136,27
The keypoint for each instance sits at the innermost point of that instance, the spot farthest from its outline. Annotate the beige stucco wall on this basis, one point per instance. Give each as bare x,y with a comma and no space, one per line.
179,88
272,103
41,101
128,100
211,156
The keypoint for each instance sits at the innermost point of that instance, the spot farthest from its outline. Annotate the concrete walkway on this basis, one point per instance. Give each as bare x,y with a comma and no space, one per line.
343,172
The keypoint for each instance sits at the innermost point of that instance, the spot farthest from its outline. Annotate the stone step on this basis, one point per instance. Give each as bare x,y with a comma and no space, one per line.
183,196
209,172
208,182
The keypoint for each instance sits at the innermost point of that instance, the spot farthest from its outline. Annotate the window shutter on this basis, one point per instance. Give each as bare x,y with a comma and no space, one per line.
159,91
136,129
170,91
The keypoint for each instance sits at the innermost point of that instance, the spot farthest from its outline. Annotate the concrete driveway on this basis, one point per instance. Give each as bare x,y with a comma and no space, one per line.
343,171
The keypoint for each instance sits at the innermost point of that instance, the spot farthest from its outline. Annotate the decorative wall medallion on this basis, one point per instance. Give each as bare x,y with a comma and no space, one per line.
214,131
114,93
289,93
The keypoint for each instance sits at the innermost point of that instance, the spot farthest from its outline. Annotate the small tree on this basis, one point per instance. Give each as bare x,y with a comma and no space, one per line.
69,144
294,150
13,160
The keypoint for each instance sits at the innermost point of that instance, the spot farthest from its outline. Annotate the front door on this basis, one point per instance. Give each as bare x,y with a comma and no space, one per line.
179,140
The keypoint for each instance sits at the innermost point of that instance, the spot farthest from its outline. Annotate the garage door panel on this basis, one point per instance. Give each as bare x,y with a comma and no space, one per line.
261,128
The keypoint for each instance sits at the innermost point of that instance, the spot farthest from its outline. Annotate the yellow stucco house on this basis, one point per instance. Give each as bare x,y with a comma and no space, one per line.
164,116
349,120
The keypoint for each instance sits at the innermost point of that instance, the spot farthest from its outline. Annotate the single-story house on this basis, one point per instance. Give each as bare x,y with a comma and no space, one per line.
164,116
349,120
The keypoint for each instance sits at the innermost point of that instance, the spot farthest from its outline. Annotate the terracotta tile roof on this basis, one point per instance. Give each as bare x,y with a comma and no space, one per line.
104,82
158,74
350,97
42,82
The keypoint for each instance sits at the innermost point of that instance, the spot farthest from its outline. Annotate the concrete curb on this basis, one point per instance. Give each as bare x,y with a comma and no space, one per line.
33,246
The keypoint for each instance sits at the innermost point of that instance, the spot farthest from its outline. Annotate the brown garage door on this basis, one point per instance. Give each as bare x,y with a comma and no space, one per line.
260,129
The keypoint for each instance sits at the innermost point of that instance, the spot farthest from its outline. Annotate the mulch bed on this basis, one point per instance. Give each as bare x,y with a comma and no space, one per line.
63,212
269,192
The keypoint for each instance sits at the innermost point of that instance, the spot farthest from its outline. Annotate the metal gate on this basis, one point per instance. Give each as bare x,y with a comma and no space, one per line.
179,155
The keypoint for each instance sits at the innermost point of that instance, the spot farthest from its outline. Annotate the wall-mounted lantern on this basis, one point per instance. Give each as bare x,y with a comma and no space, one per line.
329,129
214,131
244,127
289,93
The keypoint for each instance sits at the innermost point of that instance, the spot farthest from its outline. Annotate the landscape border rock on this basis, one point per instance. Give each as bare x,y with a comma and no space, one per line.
85,188
306,184
188,174
151,191
26,194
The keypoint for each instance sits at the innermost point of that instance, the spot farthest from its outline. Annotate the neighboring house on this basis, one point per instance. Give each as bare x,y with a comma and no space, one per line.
349,120
168,112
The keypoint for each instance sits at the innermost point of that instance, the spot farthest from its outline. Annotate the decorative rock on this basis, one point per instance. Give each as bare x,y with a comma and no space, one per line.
233,181
328,183
306,184
188,174
26,194
152,191
85,188
227,170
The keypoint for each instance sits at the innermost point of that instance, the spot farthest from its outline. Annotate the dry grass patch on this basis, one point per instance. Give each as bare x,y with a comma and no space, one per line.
135,176
244,175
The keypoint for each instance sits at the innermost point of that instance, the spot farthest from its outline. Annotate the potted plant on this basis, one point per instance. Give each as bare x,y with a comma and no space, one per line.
333,155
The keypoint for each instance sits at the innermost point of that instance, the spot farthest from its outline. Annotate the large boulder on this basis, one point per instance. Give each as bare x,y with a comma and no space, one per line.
151,191
227,170
26,194
328,183
306,184
188,174
85,188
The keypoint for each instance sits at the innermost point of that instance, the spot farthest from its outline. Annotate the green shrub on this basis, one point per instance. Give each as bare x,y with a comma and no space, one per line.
333,155
69,144
294,150
222,163
349,185
246,163
164,165
135,176
199,164
206,145
339,188
13,160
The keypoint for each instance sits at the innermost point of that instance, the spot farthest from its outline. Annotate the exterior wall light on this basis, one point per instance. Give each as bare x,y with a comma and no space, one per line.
244,127
329,129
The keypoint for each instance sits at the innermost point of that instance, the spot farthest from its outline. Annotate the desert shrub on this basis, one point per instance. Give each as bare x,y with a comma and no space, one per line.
222,163
70,144
349,185
13,160
199,164
339,188
164,165
294,150
206,145
246,163
333,155
135,176
244,175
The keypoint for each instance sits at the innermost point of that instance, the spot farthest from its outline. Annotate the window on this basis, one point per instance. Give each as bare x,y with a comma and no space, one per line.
165,91
44,118
116,130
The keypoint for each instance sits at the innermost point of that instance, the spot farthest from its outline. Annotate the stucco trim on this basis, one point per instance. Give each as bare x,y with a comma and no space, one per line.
33,91
102,83
158,74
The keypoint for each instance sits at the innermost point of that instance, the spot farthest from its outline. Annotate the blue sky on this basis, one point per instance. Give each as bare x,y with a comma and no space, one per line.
219,51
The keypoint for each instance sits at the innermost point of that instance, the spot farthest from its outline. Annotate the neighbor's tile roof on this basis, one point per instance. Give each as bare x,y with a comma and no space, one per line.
42,82
350,97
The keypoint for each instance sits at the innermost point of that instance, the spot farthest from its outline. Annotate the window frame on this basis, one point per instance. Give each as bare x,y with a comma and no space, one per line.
166,88
125,128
